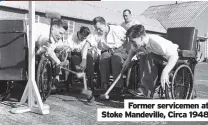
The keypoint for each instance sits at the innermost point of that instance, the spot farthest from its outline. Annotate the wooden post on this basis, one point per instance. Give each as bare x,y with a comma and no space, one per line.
31,95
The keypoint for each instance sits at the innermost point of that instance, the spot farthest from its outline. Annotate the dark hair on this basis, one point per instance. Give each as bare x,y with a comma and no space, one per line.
60,23
127,10
135,31
85,31
99,19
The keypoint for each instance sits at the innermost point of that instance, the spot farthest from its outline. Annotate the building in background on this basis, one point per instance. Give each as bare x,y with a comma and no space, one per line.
77,14
156,19
186,14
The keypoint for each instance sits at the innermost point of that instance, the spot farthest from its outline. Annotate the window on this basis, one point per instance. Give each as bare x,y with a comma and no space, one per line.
37,18
71,27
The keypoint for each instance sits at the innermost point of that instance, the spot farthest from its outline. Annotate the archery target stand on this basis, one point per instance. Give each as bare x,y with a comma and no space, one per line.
31,100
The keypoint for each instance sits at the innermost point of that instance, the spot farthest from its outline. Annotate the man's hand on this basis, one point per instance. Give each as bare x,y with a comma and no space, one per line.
80,75
64,63
125,66
164,78
83,64
128,60
48,49
40,50
165,73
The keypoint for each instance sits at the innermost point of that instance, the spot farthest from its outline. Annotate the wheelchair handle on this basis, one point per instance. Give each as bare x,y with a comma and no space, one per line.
53,15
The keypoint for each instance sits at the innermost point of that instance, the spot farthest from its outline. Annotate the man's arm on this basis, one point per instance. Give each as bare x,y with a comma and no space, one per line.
84,55
91,40
171,51
121,33
85,50
52,54
68,44
165,73
63,46
171,63
131,54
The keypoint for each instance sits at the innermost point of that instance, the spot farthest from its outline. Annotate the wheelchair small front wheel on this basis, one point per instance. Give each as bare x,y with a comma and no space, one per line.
44,77
182,82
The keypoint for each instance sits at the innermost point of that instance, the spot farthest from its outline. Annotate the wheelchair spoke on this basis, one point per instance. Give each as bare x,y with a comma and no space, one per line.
182,82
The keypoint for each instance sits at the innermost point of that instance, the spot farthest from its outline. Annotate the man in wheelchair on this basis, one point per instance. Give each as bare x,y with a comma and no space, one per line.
154,49
48,38
110,40
76,42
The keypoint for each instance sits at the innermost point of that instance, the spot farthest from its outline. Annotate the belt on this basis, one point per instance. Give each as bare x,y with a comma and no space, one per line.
111,50
75,53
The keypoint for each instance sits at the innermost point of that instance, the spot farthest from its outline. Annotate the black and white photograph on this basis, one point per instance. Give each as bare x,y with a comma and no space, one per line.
65,62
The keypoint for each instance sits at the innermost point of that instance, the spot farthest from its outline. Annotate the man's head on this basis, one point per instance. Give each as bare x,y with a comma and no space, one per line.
127,15
83,33
135,35
58,29
100,25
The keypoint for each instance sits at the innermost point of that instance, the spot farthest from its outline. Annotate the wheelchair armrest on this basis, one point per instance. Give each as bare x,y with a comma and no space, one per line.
187,53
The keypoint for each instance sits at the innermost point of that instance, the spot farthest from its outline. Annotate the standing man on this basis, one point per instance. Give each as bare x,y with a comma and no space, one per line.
109,39
128,20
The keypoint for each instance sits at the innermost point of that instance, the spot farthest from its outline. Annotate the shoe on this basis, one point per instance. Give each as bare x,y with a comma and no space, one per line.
55,81
104,86
117,90
158,92
123,92
91,99
136,93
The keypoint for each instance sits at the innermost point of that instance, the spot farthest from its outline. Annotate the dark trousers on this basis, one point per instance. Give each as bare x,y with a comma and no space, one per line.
111,63
151,66
76,59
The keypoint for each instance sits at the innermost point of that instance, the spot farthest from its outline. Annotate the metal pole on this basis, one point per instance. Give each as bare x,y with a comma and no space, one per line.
31,91
205,47
31,49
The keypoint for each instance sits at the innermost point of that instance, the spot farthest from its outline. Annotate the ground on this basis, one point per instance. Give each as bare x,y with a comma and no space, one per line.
72,109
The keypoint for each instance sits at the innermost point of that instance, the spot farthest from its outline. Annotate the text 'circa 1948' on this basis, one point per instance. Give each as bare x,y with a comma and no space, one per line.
161,110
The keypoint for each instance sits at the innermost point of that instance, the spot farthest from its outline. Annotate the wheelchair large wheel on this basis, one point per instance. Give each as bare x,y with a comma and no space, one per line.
133,76
44,77
5,89
182,82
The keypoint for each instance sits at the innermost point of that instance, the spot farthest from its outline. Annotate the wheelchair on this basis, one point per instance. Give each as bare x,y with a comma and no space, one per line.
46,72
182,75
13,57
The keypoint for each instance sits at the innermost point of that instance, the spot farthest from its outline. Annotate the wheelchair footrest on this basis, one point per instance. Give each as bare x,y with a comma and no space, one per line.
135,93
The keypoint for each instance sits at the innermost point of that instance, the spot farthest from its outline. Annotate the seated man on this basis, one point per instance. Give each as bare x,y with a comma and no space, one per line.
110,40
47,41
76,42
152,46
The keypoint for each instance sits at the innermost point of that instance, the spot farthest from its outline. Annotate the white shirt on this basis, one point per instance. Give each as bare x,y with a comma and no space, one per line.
42,32
129,24
160,46
74,43
114,39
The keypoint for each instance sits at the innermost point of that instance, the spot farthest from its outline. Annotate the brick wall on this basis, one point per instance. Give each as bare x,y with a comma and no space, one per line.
10,13
81,23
